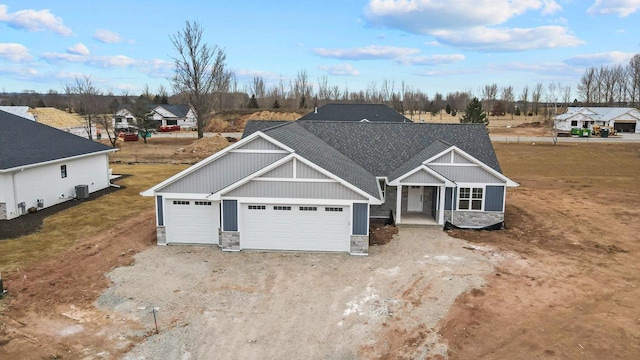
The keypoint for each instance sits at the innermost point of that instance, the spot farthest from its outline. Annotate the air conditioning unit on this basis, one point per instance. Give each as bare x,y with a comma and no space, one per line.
40,203
82,192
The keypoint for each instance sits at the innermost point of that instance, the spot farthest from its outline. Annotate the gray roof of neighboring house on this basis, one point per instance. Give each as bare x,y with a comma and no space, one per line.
260,125
25,142
179,111
355,112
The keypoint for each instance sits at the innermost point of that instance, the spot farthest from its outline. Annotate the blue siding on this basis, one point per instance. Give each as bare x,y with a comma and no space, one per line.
230,215
494,198
360,218
160,210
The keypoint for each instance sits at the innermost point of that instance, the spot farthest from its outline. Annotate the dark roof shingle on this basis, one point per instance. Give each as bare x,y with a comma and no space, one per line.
25,142
355,112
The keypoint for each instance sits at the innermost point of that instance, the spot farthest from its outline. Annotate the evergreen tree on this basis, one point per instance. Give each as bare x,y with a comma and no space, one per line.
448,109
474,113
253,103
276,104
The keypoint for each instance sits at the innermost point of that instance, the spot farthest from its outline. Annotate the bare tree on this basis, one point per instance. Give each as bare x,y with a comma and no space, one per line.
301,89
489,95
586,86
633,73
524,99
86,96
200,72
507,97
536,96
566,95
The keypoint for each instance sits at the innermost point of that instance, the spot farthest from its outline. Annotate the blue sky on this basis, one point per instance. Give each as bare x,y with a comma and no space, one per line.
431,45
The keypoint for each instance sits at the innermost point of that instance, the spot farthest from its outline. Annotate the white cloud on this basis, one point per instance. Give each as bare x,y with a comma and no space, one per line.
34,20
489,39
78,49
425,16
55,58
109,37
366,53
438,59
604,58
14,52
117,61
622,8
340,70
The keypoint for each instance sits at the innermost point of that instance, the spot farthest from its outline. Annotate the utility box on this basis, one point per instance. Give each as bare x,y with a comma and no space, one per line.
82,192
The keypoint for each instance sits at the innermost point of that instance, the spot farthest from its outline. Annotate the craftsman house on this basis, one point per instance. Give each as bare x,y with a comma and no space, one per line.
164,115
621,119
41,166
315,185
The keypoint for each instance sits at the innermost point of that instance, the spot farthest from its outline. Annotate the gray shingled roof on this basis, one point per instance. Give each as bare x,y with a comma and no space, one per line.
260,125
322,154
359,152
25,142
178,110
355,112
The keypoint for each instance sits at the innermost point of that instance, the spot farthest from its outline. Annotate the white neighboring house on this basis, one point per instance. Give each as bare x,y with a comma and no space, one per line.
165,115
22,111
123,118
621,119
41,166
169,115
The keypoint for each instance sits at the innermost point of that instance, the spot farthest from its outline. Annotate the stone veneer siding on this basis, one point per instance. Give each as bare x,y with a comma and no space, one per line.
3,211
230,240
359,245
161,235
474,219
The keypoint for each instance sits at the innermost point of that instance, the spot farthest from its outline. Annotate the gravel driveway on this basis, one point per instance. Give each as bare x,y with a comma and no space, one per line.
274,305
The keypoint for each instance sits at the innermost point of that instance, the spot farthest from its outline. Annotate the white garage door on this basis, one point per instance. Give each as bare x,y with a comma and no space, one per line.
192,222
295,227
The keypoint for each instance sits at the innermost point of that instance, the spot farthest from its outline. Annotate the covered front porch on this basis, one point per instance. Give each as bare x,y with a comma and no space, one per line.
419,204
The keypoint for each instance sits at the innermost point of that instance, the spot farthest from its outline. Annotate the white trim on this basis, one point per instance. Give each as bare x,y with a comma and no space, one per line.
151,191
470,199
219,194
509,182
430,171
23,167
186,196
296,180
258,151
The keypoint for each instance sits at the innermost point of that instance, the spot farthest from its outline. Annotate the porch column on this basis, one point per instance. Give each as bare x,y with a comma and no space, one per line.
399,204
441,195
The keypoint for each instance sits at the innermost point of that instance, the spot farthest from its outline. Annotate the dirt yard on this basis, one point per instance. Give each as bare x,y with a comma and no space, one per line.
561,282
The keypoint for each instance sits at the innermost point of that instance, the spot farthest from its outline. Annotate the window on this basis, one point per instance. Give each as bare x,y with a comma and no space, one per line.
574,122
257,207
181,202
383,188
308,208
203,203
63,171
470,198
283,208
334,209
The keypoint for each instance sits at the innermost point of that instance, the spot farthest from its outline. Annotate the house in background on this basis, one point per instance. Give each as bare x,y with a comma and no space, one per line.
172,115
62,120
355,112
316,185
22,111
41,166
621,119
163,114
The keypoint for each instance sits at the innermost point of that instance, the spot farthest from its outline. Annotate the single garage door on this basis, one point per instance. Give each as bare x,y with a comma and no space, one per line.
628,126
295,227
192,222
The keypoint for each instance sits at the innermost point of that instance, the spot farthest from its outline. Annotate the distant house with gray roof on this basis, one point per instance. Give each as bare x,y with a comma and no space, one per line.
41,166
314,185
621,119
163,114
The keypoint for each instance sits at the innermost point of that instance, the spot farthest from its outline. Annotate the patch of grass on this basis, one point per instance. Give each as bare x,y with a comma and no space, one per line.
66,228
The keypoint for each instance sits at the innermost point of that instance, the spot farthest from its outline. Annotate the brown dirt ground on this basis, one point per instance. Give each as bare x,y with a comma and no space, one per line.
168,150
574,292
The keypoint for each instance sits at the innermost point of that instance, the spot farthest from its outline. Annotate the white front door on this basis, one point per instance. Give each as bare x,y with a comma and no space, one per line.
414,199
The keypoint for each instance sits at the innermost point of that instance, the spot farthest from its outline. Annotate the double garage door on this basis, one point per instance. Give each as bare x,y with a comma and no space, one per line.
295,227
192,222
